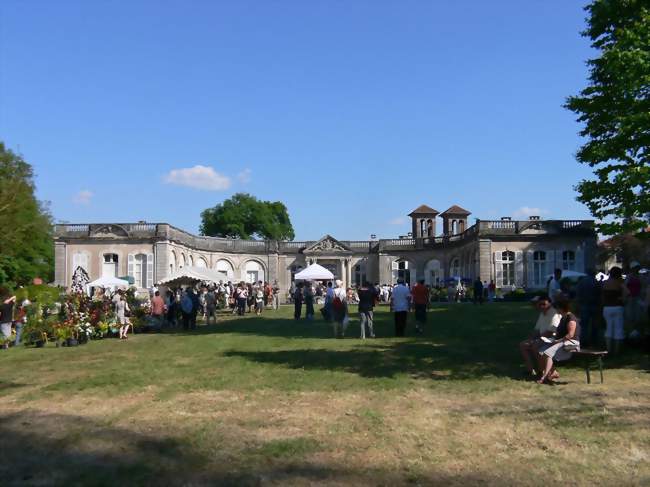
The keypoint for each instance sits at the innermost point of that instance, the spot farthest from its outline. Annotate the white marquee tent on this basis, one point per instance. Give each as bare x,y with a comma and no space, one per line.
111,283
314,272
192,275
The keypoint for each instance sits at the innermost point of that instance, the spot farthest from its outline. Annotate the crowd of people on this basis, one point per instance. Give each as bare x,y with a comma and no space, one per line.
616,304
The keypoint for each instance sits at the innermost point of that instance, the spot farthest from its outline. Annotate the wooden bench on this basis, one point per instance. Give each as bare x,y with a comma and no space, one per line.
588,357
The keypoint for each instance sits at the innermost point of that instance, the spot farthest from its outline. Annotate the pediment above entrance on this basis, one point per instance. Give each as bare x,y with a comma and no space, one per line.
109,231
327,245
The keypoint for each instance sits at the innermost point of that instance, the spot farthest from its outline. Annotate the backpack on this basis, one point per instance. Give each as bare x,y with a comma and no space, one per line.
186,304
337,304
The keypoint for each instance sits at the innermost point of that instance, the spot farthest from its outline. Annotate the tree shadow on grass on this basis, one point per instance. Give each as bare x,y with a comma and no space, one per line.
415,359
57,449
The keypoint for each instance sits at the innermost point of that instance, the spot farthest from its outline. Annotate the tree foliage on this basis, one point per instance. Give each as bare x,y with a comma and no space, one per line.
615,112
26,246
244,216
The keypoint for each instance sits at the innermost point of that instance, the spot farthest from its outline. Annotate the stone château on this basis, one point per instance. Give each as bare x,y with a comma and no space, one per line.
519,253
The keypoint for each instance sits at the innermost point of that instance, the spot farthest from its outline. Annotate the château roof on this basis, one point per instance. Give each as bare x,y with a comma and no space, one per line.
424,210
456,210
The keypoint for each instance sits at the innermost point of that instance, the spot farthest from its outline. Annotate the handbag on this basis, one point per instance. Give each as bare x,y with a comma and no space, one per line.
571,346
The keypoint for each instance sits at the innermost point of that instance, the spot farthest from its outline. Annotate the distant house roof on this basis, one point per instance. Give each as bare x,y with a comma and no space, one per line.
424,210
456,211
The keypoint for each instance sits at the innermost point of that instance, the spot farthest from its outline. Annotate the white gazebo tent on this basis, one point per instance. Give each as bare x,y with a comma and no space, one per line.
569,274
191,275
107,282
314,272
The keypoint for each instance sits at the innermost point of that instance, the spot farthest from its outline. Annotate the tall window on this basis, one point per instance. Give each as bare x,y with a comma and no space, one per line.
225,267
455,268
360,273
508,267
109,265
254,272
539,268
568,260
140,270
403,271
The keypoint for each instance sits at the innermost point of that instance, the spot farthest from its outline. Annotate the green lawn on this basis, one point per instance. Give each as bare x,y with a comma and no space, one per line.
271,401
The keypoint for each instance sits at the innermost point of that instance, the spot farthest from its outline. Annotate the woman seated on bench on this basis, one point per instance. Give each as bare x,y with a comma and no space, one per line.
566,340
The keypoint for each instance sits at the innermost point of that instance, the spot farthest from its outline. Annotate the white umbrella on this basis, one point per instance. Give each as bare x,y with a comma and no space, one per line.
314,272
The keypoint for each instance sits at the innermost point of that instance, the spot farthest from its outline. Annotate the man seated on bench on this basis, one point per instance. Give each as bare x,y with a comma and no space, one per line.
566,341
547,323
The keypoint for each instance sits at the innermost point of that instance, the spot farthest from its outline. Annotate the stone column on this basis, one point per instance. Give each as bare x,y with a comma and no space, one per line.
348,262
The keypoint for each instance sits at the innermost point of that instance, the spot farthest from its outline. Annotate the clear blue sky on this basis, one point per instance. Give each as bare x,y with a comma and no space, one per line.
353,113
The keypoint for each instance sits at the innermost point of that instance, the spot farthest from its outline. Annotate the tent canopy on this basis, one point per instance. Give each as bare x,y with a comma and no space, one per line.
314,272
568,274
109,283
192,275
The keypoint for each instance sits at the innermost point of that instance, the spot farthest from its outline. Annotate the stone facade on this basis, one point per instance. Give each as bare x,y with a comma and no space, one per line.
513,253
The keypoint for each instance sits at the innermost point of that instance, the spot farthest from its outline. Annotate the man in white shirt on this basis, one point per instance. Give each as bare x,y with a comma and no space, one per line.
554,288
545,327
340,309
400,302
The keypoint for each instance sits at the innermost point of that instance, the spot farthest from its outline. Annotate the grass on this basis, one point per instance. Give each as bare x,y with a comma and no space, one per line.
271,401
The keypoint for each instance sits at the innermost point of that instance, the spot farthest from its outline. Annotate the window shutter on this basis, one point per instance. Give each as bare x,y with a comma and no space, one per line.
149,270
131,262
498,270
530,278
519,268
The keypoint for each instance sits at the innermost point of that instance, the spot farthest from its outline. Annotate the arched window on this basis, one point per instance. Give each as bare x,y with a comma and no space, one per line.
254,271
403,269
432,272
201,262
568,260
172,262
109,265
225,267
461,226
508,267
183,261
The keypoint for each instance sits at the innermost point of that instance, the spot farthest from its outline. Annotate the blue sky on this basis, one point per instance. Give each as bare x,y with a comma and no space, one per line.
353,113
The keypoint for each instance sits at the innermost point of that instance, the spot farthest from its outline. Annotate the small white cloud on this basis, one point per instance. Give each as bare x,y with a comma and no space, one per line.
83,197
245,176
198,177
526,211
398,221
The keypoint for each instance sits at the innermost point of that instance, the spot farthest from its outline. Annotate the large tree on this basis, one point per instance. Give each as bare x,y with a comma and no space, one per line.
615,112
26,248
244,216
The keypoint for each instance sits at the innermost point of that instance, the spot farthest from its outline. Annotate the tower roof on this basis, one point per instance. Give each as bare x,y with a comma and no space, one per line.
424,210
456,210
